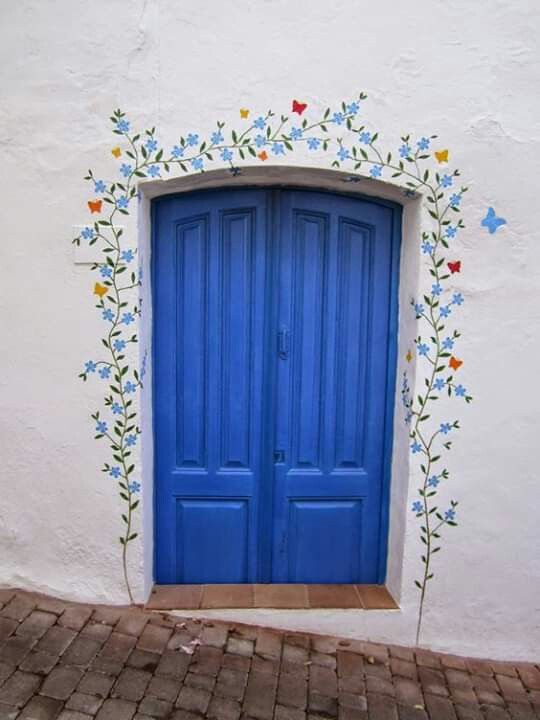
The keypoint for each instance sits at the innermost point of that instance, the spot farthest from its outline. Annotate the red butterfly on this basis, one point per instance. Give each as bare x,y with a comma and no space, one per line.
454,267
95,206
298,107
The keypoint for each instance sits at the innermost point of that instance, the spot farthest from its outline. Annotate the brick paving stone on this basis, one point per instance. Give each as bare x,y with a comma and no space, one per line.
221,708
454,662
352,684
156,708
433,681
404,668
292,668
412,713
318,658
426,658
503,668
132,622
214,635
236,662
73,715
353,700
106,615
464,696
483,682
520,711
378,652
81,702
378,670
81,652
495,713
163,689
144,660
15,649
56,640
349,664
154,638
51,605
6,595
402,653
530,676
268,665
458,679
39,662
479,667
439,708
193,699
98,684
18,608
292,691
488,697
295,654
8,712
41,708
173,664
205,682
288,713
207,660
36,624
7,627
323,704
408,692
382,707
114,653
323,681
511,688
260,695
231,683
5,671
61,682
187,715
116,709
268,644
348,713
96,631
75,617
378,685
326,645
19,688
131,684
178,639
240,646
468,711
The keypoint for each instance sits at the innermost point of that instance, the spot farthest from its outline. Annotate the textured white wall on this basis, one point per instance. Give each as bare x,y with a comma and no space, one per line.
465,71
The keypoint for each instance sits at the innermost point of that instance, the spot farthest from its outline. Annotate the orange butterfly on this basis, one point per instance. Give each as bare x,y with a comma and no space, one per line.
244,112
95,206
454,363
442,156
263,155
116,152
100,289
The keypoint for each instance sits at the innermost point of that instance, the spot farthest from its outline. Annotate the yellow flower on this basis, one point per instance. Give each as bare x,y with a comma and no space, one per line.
100,289
244,113
408,356
116,152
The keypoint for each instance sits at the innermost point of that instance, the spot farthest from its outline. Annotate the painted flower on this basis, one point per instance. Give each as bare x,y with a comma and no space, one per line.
130,387
436,289
427,248
433,481
115,471
416,447
448,343
192,139
450,514
154,171
90,366
417,506
353,108
445,428
226,155
338,118
408,418
439,384
457,299
119,345
423,143
197,163
177,151
278,148
108,314
451,231
446,181
122,202
343,154
99,186
460,391
123,126
260,140
101,427
105,372
216,137
455,199
445,311
151,145
313,143
259,123
131,440
423,349
296,133
376,171
116,408
126,169
105,271
127,318
127,255
418,308
405,150
134,487
87,233
365,137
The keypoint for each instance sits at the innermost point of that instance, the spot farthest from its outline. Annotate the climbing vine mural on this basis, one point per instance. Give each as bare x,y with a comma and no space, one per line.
415,164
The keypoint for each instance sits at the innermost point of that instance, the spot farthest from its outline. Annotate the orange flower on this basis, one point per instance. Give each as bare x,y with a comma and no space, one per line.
116,152
95,206
263,155
100,290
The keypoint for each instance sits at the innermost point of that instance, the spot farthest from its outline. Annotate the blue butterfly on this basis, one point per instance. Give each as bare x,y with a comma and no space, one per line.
492,222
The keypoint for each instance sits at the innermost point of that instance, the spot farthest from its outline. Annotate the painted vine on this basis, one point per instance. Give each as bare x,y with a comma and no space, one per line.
415,166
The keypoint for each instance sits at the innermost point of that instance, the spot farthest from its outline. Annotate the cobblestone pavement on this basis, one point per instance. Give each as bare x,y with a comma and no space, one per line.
73,662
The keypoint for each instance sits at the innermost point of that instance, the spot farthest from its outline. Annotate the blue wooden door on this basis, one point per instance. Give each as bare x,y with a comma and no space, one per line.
274,342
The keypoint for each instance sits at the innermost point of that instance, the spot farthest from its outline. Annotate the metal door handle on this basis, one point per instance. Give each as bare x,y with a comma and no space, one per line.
283,343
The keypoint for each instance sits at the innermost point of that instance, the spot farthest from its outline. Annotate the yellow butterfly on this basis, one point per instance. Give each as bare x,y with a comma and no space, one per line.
100,289
116,152
442,156
408,356
244,113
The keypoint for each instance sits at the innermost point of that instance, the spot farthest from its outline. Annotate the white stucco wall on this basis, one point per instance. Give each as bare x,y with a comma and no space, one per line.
464,71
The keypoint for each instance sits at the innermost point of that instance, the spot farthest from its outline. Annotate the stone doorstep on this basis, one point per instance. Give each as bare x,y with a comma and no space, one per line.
278,596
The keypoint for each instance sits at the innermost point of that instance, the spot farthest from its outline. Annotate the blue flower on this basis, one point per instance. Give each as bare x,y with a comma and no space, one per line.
130,387
126,169
123,126
115,471
365,137
260,140
433,481
105,372
99,186
448,343
445,428
451,231
296,133
116,408
376,171
122,202
405,150
127,318
119,345
151,145
259,123
216,137
353,108
101,427
423,143
423,349
134,487
446,181
455,199
338,118
192,139
417,506
343,154
445,311
278,148
105,271
436,289
418,308
427,248
457,299
439,384
416,447
408,417
131,440
197,163
108,315
87,233
460,391
154,170
226,155
177,151
90,366
127,255
313,143
449,514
